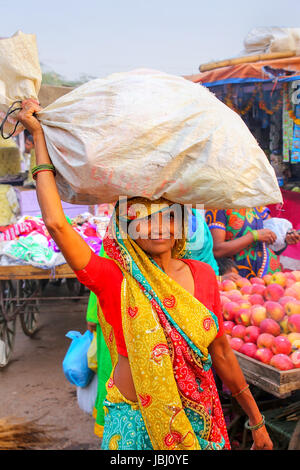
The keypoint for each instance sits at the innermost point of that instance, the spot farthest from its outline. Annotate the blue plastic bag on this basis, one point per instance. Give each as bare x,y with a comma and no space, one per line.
75,363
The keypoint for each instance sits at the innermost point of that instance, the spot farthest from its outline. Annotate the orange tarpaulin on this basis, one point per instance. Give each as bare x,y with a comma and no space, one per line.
252,70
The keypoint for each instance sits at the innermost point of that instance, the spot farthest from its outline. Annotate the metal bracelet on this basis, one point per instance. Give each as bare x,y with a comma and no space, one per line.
256,426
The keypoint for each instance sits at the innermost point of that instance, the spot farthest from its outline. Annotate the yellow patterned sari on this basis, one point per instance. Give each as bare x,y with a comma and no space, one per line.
167,333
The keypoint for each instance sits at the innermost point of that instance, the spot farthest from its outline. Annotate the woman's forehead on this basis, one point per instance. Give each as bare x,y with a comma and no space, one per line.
141,208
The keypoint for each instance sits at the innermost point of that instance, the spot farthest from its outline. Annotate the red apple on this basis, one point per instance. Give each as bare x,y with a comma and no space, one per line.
229,310
274,292
296,274
264,355
289,283
234,296
292,307
258,314
256,299
281,345
236,343
274,310
258,289
267,279
294,323
281,362
291,276
238,331
249,349
285,299
227,285
257,280
243,317
293,337
251,334
224,299
242,282
279,278
296,345
295,358
292,292
270,326
228,325
284,324
243,303
265,340
246,289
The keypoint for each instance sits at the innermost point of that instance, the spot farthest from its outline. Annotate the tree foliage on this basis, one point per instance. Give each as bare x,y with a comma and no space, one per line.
50,77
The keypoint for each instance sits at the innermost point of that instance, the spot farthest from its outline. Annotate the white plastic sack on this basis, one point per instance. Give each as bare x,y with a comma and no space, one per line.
272,39
148,133
280,227
20,73
86,396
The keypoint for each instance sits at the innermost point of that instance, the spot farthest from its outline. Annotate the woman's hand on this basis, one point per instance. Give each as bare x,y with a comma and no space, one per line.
231,276
292,237
266,236
27,118
261,440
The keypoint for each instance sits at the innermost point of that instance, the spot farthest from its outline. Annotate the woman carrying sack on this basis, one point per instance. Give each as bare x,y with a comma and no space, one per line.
161,320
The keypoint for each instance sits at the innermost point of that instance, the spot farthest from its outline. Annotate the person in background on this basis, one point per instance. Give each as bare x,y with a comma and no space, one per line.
239,234
26,156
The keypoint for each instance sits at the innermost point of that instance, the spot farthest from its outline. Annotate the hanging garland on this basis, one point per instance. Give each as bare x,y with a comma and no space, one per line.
289,106
228,101
262,105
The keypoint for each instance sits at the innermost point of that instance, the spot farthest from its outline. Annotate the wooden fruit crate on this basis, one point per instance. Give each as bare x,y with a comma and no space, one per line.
271,380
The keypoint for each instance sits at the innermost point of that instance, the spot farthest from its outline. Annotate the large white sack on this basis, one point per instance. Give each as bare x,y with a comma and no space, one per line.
20,73
272,39
152,134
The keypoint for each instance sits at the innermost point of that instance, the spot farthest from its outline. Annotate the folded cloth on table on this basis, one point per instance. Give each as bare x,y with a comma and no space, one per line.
33,250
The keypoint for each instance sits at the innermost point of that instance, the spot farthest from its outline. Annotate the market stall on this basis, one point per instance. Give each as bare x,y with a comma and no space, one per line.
265,91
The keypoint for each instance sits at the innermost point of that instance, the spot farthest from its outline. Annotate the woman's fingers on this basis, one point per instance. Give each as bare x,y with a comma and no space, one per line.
26,115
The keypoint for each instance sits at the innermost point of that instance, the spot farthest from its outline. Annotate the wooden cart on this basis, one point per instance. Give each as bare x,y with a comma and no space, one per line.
279,383
20,295
285,387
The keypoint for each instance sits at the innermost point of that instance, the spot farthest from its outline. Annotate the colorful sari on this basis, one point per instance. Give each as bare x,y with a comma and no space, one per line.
199,247
167,333
255,260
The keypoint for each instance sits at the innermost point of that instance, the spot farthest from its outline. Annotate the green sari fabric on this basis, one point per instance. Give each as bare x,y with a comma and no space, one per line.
103,360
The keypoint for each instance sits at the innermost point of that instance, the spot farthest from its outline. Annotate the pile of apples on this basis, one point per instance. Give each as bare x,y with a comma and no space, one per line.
262,317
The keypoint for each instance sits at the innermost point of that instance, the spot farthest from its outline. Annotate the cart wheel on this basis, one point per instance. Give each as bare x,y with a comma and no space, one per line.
29,319
75,287
7,321
29,316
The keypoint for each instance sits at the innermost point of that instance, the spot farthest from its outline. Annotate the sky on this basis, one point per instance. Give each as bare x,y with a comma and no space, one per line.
99,37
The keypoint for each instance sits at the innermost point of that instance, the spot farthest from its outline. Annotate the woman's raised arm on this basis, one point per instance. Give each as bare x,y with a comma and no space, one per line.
75,250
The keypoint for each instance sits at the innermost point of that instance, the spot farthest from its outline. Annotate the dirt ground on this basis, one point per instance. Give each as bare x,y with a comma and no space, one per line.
33,385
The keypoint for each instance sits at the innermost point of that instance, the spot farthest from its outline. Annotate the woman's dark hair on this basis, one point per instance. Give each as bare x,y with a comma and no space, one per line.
226,265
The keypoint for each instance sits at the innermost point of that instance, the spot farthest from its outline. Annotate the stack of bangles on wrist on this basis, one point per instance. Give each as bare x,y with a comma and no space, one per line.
256,426
45,167
255,235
